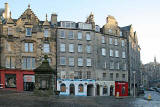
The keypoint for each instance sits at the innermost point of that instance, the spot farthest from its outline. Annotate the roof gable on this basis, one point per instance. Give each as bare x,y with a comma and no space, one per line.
28,17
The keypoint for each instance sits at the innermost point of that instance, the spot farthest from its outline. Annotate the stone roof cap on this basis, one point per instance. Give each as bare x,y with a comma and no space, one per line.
46,23
45,68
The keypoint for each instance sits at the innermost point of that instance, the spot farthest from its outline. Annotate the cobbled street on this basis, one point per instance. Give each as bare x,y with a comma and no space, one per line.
27,99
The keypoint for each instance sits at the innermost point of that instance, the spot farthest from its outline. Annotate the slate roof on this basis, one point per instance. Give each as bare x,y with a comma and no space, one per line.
1,11
127,28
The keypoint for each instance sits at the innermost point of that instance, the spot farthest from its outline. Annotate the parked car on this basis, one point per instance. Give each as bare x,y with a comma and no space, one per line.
158,90
151,89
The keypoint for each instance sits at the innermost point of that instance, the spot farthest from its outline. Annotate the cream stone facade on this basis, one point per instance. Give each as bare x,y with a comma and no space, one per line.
26,40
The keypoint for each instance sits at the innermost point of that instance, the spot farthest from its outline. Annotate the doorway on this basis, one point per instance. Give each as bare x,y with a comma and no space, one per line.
28,86
72,89
98,93
111,90
90,90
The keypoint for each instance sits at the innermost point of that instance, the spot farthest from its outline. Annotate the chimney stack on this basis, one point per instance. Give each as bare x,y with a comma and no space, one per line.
54,19
7,11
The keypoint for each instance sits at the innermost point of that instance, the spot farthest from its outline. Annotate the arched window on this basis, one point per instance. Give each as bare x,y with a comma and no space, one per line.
63,88
80,88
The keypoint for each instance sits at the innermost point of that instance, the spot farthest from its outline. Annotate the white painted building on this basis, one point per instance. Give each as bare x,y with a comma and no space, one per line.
77,87
105,88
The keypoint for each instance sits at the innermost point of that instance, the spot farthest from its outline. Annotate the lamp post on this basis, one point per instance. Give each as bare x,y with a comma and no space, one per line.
134,72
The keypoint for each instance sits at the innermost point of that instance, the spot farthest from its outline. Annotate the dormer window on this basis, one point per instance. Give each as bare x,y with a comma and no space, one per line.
110,30
9,31
28,31
45,32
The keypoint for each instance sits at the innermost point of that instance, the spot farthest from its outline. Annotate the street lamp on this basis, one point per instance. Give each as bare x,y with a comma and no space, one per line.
134,72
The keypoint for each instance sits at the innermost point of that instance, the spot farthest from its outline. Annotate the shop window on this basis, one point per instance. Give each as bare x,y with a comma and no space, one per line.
63,88
80,88
10,80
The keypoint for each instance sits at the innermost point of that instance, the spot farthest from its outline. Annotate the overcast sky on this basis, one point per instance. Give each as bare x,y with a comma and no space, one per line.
144,15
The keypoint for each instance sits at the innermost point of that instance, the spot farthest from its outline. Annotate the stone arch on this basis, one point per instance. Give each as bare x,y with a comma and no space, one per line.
72,89
90,90
111,90
105,90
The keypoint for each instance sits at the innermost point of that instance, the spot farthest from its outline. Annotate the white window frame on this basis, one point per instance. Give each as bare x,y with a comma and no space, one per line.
111,65
80,48
62,34
62,47
116,41
111,52
79,36
110,41
88,62
71,61
46,48
88,48
10,30
80,61
28,47
71,47
110,30
62,59
103,51
28,34
116,53
102,39
46,32
88,36
123,43
123,54
70,34
117,65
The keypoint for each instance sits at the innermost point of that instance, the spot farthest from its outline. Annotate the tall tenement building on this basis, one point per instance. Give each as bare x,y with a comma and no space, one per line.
89,60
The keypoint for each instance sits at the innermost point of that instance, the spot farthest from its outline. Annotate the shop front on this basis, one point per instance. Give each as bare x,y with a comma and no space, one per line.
76,87
18,80
121,88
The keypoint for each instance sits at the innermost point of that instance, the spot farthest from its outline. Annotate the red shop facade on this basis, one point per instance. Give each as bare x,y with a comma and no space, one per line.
18,80
121,88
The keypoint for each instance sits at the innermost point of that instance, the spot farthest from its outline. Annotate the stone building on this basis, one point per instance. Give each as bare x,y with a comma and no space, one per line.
78,50
133,56
26,40
152,74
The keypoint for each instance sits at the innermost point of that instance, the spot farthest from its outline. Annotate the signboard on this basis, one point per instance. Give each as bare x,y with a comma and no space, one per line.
29,78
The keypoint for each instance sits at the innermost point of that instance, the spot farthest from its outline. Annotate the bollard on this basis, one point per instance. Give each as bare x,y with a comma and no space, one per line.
117,95
149,97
